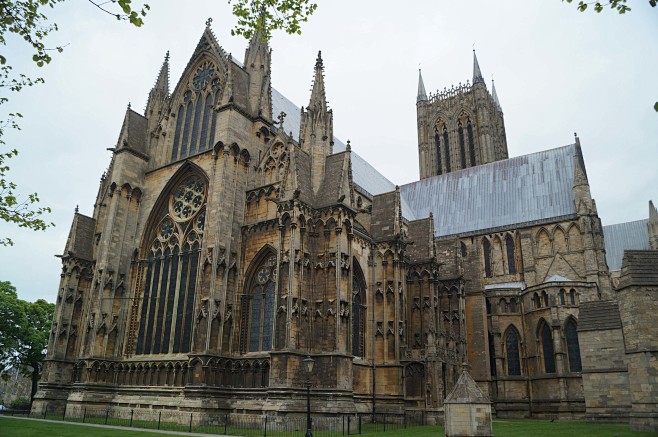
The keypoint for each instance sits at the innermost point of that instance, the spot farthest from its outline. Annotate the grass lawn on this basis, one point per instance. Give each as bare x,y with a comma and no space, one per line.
502,428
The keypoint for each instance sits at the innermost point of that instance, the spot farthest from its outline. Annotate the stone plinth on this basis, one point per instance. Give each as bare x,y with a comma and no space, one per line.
467,409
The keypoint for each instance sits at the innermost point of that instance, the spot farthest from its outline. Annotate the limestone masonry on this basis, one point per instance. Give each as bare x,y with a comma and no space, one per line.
233,235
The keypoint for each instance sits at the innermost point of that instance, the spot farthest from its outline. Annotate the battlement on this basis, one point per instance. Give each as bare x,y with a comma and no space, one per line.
451,92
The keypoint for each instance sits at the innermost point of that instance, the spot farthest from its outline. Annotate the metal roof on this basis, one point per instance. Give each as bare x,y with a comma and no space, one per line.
526,189
624,236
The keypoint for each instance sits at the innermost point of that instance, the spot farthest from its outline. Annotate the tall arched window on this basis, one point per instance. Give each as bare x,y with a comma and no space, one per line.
486,250
511,262
546,341
446,147
186,128
167,301
492,355
198,108
179,123
358,313
462,147
203,140
573,347
562,296
437,144
572,296
257,319
471,142
512,352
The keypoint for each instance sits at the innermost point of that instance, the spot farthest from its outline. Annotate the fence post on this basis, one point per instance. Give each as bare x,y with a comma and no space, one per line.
404,418
84,414
359,424
45,410
225,423
107,414
64,415
384,422
265,431
131,417
349,420
191,421
159,418
423,418
343,425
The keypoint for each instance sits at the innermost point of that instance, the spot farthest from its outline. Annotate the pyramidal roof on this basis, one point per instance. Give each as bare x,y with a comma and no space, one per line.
466,391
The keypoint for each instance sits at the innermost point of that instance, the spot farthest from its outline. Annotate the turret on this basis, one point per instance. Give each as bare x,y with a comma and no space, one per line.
317,128
422,95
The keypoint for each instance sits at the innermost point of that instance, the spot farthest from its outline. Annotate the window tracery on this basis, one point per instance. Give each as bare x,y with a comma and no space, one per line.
358,314
546,342
573,347
170,283
196,113
258,308
512,350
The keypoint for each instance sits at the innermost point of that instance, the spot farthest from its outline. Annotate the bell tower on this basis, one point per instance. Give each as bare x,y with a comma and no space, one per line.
459,127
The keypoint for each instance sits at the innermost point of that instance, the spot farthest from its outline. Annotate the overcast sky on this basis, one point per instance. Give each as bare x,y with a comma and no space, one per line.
557,71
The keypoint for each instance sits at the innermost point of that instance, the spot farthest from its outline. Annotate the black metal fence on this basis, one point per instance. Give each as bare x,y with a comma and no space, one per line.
230,423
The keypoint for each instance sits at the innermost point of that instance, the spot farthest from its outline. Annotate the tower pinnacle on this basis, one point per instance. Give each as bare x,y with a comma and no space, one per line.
318,96
477,74
162,82
494,95
422,95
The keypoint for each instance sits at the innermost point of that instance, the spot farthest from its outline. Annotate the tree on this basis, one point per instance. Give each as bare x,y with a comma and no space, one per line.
266,16
24,332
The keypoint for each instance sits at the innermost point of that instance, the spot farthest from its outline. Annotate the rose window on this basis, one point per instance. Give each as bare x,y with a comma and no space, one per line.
188,198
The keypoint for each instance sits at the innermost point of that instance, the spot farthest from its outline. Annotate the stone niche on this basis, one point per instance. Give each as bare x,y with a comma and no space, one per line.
467,409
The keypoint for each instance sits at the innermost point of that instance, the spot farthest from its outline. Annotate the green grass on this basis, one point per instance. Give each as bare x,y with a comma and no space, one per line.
10,427
33,428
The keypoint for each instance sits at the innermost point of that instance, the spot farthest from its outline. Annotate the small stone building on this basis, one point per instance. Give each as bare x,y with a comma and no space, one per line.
467,409
233,234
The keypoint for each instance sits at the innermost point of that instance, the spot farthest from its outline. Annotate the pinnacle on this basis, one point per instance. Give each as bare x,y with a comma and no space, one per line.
477,74
318,61
422,95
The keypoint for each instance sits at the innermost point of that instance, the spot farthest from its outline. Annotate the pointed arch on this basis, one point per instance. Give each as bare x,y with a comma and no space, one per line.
257,303
512,351
170,249
471,141
543,243
437,146
177,132
575,238
511,258
462,146
573,346
545,344
486,252
559,240
446,148
359,302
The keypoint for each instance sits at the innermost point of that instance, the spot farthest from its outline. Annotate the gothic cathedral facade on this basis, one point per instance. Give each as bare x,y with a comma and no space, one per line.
233,235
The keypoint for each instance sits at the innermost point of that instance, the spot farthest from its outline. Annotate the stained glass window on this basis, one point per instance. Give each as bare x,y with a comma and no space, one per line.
562,296
492,355
257,321
572,296
573,347
198,108
546,339
358,317
179,123
186,130
512,349
203,140
171,272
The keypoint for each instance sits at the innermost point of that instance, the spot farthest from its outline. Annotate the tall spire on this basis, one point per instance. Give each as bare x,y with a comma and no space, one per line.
495,95
162,83
477,74
422,95
318,96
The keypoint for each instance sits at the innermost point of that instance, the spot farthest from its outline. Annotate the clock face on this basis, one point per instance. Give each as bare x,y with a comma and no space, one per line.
203,76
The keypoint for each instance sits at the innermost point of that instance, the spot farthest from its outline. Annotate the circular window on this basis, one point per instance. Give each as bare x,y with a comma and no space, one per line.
188,198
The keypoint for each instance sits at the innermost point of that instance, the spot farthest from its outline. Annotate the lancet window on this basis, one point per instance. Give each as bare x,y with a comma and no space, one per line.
471,141
196,114
573,347
358,314
511,263
446,147
512,350
257,307
167,300
462,147
437,144
486,250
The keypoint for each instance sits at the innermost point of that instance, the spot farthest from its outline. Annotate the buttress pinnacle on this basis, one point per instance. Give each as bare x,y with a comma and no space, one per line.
477,74
422,95
318,96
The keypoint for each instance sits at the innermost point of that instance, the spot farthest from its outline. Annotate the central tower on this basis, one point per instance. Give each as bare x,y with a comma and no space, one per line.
460,127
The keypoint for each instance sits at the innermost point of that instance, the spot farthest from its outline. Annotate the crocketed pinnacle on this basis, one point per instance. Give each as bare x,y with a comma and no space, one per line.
318,96
422,95
162,83
477,74
495,95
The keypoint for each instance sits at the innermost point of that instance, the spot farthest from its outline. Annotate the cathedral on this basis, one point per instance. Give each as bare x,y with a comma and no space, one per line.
233,236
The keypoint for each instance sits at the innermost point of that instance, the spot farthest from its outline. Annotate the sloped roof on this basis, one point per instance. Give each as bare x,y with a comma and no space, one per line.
624,236
363,174
527,189
598,316
466,391
640,267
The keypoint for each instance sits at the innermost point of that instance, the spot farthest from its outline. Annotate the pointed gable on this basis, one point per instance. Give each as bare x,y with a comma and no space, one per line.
133,135
79,243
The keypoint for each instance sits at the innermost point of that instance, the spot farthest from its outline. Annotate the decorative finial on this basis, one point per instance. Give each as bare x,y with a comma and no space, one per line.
348,146
318,61
208,21
128,105
167,56
77,209
281,118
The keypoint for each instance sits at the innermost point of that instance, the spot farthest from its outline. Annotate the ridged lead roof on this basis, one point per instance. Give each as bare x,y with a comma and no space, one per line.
624,236
527,189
